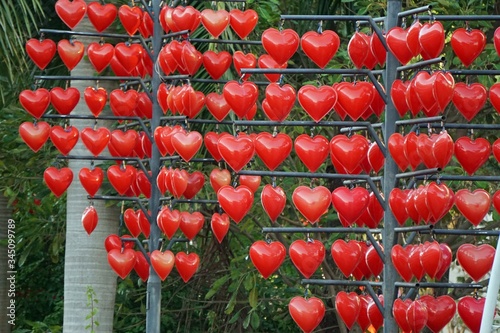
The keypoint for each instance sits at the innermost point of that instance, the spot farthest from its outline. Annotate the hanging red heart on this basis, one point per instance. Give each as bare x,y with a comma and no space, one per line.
378,49
95,98
280,99
469,99
355,97
100,55
141,266
58,180
412,210
70,52
349,151
122,262
399,312
219,178
211,141
101,15
398,96
399,257
236,151
363,321
34,135
312,151
306,312
187,144
431,258
266,61
91,179
307,256
252,182
41,52
396,147
64,139
468,44
473,205
272,149
186,264
114,241
215,21
373,260
358,49
191,58
130,17
168,221
71,12
273,200
350,203
121,178
216,64
424,90
281,45
417,316
89,219
242,60
243,22
35,102
472,154
267,257
162,178
195,182
191,224
410,150
95,139
443,89
470,309
129,55
439,200
131,220
441,311
144,107
241,97
123,103
431,39
317,101
412,37
220,224
375,157
236,202
320,47
179,182
162,262
346,255
311,202
397,204
186,18
64,100
147,25
446,257
476,260
217,106
348,307
370,60
412,99
374,314
123,143
396,39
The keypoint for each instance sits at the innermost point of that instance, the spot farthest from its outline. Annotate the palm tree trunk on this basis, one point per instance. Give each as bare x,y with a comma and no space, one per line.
86,263
5,215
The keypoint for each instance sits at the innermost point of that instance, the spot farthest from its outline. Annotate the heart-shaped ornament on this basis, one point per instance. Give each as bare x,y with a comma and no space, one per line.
346,255
441,311
273,200
191,224
220,224
162,262
236,151
41,52
58,180
168,221
34,135
243,22
89,219
236,202
472,154
186,265
122,262
307,256
473,205
470,309
468,44
307,313
267,257
348,306
312,203
272,150
215,21
476,260
281,45
317,101
320,47
71,12
101,15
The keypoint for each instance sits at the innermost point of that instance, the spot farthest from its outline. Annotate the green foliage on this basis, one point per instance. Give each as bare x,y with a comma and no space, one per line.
92,302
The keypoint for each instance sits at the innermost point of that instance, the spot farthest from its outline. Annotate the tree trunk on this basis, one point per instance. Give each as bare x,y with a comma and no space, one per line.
5,215
86,264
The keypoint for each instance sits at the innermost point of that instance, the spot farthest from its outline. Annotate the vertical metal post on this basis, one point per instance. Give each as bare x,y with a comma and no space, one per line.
153,306
390,170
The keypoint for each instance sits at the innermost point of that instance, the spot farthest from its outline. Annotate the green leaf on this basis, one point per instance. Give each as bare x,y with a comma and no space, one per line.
217,285
246,322
255,320
234,318
249,282
232,302
253,298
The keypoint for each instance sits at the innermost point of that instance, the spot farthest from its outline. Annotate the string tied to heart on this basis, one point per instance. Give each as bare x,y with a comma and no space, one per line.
431,16
403,23
320,27
273,181
306,292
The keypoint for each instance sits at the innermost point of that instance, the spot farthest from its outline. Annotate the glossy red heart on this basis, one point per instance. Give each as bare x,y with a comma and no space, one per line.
34,135
168,221
396,148
412,99
431,39
216,64
101,15
417,316
252,182
373,260
272,150
349,151
355,98
378,49
64,139
443,89
162,262
96,99
243,22
215,21
236,151
130,18
161,179
121,178
348,306
410,150
123,143
242,60
35,102
91,179
307,256
267,257
186,18
373,214
64,100
266,61
374,314
468,44
419,202
70,52
439,200
396,39
470,309
435,151
424,89
191,58
446,257
95,139
476,260
240,97
236,202
346,255
217,106
100,55
472,154
317,101
195,182
415,263
399,257
397,204
280,99
312,151
273,200
131,220
129,55
412,37
375,157
123,103
312,203
280,45
71,12
363,321
89,219
398,96
358,49
191,224
441,311
219,178
306,312
114,241
370,60
122,261
58,180
186,264
320,47
220,224
41,52
469,99
473,205
350,203
141,266
187,144
178,182
431,258
399,312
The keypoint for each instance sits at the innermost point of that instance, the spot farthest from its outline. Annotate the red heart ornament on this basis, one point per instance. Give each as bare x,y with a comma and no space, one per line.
348,306
281,45
130,18
128,55
187,144
141,266
373,260
374,314
34,135
417,316
64,139
121,178
476,260
215,21
195,183
312,151
41,52
473,205
35,102
243,22
89,219
431,39
114,241
64,100
472,154
101,15
350,203
439,200
240,97
273,200
355,97
236,202
363,321
431,258
307,256
95,139
211,141
122,262
471,309
346,255
242,60
410,149
219,178
280,99
131,220
178,182
220,224
378,49
468,44
357,49
349,151
396,148
216,64
162,263
186,265
320,47
396,39
71,12
100,55
191,58
91,179
311,202
397,204
370,60
266,61
123,103
186,18
399,312
375,157
267,257
272,150
441,311
398,96
469,99
191,224
399,257
236,151
95,98
217,106
123,143
415,263
252,182
70,52
168,221
307,313
317,101
446,257
58,180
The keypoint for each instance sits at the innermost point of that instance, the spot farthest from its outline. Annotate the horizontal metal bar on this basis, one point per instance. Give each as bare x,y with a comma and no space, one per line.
108,158
88,78
361,181
323,282
225,41
463,178
301,123
326,230
423,120
87,34
420,64
304,71
460,17
259,83
176,77
302,174
418,173
474,71
414,11
426,229
200,201
463,126
122,198
380,19
438,285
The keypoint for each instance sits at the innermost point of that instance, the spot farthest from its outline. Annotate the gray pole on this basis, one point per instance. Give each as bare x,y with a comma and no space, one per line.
390,170
153,300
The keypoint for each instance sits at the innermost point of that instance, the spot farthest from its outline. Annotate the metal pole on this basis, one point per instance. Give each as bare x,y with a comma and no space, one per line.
491,294
153,301
390,171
